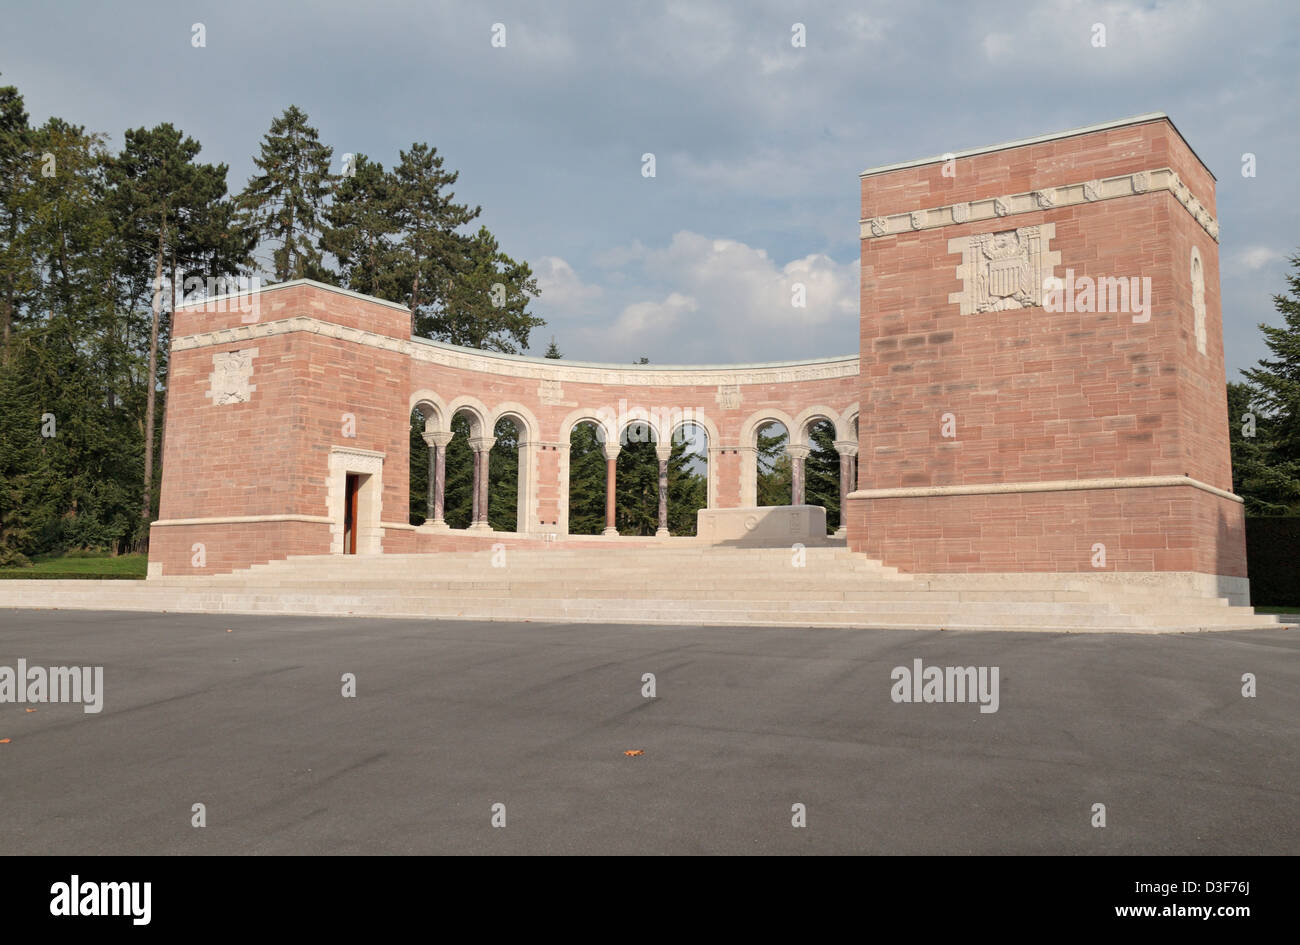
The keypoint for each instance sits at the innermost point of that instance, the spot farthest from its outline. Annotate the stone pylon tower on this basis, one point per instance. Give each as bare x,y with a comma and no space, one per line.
1042,363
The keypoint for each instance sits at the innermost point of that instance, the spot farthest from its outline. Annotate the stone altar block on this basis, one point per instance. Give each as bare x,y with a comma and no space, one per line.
767,525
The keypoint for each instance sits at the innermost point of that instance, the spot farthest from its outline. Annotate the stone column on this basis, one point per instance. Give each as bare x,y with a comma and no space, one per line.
482,446
437,477
848,450
797,454
664,452
747,468
611,479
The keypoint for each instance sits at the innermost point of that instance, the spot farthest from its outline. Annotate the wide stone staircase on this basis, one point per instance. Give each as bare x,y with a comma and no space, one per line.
676,583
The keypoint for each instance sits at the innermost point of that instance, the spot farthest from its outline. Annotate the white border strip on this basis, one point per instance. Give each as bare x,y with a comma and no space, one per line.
467,359
1055,485
242,520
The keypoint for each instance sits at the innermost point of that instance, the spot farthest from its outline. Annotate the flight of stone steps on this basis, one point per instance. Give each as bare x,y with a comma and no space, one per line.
682,583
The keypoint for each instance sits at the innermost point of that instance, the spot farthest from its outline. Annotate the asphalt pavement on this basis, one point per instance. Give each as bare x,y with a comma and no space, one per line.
246,716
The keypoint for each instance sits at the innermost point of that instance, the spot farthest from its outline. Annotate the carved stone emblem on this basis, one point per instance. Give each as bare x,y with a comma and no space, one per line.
1045,198
728,396
960,212
918,219
879,226
231,373
1092,190
551,392
1001,206
1140,182
1003,270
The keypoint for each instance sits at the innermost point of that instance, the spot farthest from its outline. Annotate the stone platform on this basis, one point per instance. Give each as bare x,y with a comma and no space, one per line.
678,581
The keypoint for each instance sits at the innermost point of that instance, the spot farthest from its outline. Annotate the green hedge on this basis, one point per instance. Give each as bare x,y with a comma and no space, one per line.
32,574
1273,560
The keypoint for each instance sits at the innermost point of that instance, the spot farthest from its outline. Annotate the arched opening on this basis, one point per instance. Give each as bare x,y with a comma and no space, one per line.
419,479
459,496
586,479
503,476
688,477
822,472
774,471
636,510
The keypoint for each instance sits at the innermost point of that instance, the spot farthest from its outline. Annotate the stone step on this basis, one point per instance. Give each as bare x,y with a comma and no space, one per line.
893,613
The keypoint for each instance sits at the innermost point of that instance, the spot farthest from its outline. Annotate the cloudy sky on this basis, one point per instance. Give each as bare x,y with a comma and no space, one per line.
758,144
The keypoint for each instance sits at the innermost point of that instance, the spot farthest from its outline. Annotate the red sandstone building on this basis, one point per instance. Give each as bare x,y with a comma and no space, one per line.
998,419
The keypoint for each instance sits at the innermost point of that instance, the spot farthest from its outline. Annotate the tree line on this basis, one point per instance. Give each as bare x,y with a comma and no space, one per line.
1264,415
98,246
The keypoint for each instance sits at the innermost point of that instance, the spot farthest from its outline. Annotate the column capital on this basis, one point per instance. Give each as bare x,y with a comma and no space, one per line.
846,447
437,438
797,451
611,451
482,444
664,452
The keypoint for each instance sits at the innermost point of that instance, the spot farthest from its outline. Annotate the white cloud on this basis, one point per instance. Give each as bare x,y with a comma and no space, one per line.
723,294
1255,258
643,318
562,290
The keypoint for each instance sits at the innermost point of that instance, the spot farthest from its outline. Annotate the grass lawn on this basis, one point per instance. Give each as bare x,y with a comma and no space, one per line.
1269,609
123,567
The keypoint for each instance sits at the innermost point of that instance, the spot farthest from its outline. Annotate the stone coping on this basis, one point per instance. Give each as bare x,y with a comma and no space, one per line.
1056,485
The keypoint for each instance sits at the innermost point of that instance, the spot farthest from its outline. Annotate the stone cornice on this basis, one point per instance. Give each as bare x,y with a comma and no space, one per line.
1046,198
1055,485
466,359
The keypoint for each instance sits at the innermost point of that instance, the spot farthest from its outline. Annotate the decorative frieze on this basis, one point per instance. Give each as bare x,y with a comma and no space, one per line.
992,208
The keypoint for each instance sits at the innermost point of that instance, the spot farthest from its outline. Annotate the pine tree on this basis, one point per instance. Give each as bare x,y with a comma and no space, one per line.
1266,467
484,300
688,488
17,271
458,492
636,486
1266,486
361,229
822,473
162,200
428,246
285,204
774,472
552,351
503,478
586,481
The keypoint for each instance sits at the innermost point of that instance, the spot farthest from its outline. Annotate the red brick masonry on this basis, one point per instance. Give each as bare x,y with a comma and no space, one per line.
1116,428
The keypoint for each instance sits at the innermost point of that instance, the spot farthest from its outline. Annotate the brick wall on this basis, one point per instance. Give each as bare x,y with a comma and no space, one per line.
1037,395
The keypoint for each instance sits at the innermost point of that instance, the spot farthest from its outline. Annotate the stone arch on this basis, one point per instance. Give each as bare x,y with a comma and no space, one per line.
478,413
1198,300
526,516
572,419
525,420
702,420
810,415
641,418
433,408
749,449
585,415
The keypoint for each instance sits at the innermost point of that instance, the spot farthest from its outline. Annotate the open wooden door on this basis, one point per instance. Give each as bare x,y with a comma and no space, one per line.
350,514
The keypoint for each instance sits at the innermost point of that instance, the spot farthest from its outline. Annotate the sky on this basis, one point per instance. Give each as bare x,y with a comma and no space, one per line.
757,143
